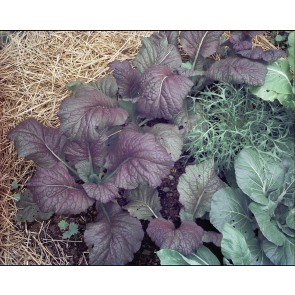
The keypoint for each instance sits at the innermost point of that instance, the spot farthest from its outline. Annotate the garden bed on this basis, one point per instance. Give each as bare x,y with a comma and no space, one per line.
35,69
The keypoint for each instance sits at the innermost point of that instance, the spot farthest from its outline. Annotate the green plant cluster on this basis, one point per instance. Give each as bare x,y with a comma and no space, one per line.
231,118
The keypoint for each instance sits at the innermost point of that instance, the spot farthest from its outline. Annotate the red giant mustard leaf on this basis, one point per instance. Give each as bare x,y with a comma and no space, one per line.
36,142
185,239
137,159
128,78
87,112
157,53
55,190
114,238
200,43
84,150
102,192
162,93
237,70
258,53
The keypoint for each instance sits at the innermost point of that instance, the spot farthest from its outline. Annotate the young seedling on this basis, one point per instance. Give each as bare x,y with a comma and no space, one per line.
70,229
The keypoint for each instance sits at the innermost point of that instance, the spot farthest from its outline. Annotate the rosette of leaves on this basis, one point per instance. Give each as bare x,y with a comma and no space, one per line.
230,118
98,149
279,81
147,79
257,218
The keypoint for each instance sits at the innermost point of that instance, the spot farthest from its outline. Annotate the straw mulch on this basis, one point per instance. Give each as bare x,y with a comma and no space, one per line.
34,70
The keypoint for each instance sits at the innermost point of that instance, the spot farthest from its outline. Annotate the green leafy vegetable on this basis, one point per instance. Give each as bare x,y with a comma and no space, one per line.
277,84
280,255
256,177
231,206
239,250
203,256
268,229
266,181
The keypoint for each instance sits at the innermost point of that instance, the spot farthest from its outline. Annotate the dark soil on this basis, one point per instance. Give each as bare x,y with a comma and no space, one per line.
76,249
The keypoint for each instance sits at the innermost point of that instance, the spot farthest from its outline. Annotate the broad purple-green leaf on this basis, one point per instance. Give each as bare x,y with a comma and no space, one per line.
258,53
237,71
144,202
169,137
114,238
104,192
171,36
36,142
185,239
83,150
137,159
157,53
106,85
128,78
200,43
197,186
162,93
56,190
87,112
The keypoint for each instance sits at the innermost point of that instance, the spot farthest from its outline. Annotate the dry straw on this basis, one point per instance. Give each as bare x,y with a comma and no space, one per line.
34,70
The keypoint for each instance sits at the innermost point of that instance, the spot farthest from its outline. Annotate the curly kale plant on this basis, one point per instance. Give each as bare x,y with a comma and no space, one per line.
231,118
